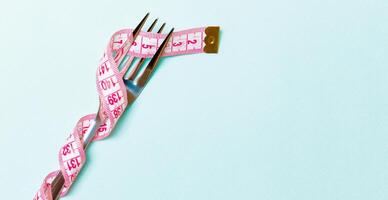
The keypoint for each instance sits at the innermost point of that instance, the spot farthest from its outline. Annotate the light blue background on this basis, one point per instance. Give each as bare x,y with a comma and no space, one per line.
294,106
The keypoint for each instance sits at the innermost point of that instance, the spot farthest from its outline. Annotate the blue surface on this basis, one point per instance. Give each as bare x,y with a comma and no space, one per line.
294,106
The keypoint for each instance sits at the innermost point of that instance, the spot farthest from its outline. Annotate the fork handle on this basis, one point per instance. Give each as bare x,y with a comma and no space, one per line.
57,185
59,180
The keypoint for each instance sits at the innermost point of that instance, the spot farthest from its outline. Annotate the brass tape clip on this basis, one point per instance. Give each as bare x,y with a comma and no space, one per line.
212,39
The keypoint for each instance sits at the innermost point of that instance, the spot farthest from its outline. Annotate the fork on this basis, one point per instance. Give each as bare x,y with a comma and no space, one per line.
135,83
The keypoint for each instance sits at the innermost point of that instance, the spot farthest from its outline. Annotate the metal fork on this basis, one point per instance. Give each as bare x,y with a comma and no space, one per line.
134,85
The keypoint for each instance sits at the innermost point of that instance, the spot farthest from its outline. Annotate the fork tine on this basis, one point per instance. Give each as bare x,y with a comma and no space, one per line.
161,28
135,32
129,62
141,61
143,79
152,25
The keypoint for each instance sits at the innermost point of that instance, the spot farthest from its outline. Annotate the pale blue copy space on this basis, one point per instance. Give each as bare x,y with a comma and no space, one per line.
294,106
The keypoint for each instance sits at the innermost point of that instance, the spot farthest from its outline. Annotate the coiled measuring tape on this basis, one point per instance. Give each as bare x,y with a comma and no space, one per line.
113,95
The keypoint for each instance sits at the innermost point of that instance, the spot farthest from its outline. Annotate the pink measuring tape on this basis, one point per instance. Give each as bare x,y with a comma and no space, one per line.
113,94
